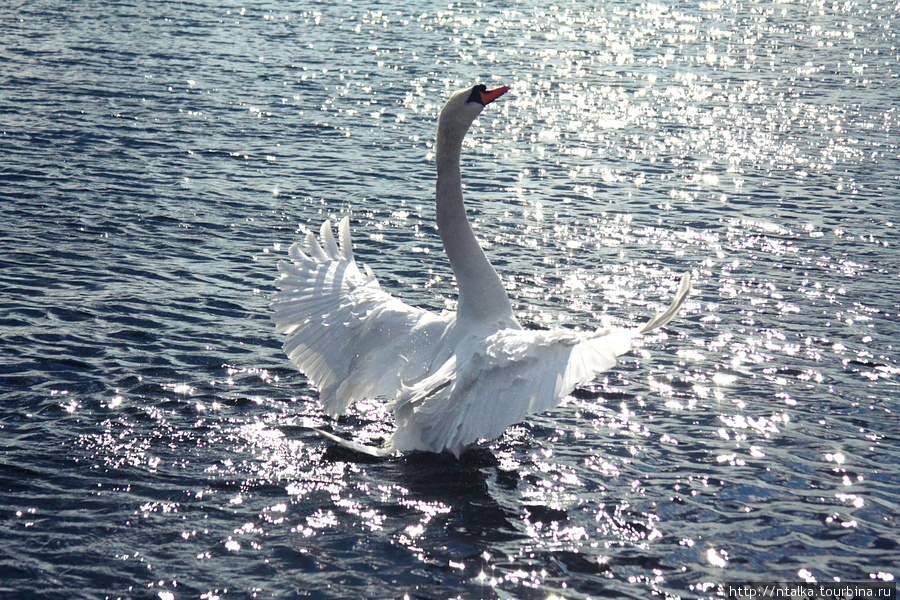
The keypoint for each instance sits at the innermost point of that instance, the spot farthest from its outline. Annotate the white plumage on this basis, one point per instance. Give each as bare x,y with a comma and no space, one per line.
452,379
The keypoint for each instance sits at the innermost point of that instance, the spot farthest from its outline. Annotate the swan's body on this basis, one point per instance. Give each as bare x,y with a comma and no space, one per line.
453,378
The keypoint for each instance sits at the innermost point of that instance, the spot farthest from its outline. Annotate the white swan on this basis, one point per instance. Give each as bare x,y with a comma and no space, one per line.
453,378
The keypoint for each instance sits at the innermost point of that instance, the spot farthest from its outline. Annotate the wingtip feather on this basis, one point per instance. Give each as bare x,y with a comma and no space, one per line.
346,242
663,318
297,254
327,237
314,248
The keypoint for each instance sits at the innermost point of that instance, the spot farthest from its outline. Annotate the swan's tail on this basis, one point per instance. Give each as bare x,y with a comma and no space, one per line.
684,288
356,447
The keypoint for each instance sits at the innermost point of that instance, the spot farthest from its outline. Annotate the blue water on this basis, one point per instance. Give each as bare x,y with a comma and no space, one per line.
158,158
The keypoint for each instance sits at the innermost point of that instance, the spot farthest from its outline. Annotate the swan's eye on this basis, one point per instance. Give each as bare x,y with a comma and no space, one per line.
477,91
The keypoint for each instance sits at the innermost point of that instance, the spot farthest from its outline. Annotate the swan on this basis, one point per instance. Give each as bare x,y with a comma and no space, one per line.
451,379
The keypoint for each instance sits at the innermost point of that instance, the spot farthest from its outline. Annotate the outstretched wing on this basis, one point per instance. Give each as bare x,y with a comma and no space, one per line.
351,338
512,374
515,373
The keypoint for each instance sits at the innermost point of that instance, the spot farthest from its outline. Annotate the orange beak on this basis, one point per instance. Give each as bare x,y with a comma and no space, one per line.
491,95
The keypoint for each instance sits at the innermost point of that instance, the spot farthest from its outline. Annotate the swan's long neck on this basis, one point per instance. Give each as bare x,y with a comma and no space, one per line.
481,293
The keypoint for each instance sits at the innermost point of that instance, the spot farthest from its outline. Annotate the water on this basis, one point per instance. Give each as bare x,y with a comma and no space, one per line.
158,158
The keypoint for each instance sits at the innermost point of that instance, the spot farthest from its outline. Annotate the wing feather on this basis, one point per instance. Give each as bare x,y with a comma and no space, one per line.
346,243
515,373
351,338
327,237
663,318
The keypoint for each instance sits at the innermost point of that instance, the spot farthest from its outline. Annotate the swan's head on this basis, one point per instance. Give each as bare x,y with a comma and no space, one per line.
465,106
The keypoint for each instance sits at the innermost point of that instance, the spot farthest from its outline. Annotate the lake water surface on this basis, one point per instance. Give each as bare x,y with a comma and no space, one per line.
158,158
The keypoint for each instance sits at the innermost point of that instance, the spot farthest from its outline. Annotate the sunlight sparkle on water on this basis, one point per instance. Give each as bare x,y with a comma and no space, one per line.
717,558
723,379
